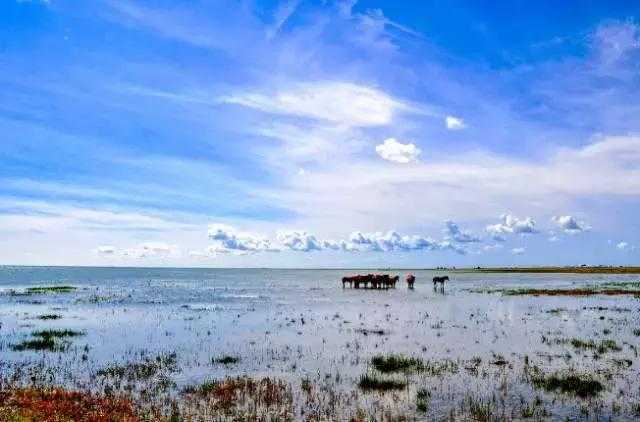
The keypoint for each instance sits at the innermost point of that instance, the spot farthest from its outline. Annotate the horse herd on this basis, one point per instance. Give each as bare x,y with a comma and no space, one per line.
385,281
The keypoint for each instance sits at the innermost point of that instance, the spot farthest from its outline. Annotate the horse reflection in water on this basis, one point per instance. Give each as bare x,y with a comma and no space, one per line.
371,281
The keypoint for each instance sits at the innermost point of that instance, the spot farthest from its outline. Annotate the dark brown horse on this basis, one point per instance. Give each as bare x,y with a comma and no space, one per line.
373,281
440,280
411,279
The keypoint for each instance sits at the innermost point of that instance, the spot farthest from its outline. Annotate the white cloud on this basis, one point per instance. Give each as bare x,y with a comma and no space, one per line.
106,250
393,241
453,232
622,246
613,41
152,250
199,254
569,224
511,225
229,240
392,150
299,241
469,186
454,123
492,247
518,251
341,103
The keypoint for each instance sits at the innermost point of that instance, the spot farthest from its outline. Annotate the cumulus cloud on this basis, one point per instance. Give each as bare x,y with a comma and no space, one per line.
336,102
393,241
106,250
453,232
492,247
569,224
392,150
152,250
623,246
518,251
511,225
227,239
299,241
454,123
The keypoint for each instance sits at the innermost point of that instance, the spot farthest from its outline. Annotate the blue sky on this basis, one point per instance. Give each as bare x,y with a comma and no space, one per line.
312,134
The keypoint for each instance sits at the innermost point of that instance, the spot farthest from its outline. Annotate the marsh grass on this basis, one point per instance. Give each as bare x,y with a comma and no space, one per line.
580,385
226,360
56,404
481,410
423,397
583,291
240,398
396,363
39,344
47,317
144,370
374,382
601,347
366,331
47,340
50,289
564,270
57,333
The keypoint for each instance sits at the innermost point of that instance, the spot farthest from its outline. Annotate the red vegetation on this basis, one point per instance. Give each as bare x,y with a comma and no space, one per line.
54,405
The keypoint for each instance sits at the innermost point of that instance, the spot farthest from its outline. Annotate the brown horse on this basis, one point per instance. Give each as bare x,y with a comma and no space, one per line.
374,281
411,279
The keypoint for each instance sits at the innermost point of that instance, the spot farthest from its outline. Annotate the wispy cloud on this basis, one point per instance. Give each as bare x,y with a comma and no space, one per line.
341,103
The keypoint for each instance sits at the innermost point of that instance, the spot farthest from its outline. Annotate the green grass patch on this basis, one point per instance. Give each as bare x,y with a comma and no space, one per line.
373,382
226,360
39,344
423,397
203,389
144,370
47,317
50,289
583,386
47,340
396,363
582,291
601,347
57,333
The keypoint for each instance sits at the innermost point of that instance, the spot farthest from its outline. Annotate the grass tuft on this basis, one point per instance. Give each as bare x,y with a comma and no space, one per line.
226,360
396,363
50,289
583,386
370,382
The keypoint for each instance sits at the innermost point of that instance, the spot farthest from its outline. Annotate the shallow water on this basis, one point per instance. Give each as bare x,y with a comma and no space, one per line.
302,323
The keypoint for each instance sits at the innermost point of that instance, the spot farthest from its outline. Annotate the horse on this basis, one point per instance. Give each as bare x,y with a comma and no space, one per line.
440,280
410,280
393,280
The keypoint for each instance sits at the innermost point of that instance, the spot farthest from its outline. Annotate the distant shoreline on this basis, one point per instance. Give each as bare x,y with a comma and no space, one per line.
566,270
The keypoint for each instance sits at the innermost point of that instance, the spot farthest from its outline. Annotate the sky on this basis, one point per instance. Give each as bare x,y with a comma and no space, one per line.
319,134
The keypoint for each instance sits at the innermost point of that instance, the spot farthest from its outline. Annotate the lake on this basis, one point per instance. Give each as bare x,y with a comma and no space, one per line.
477,346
